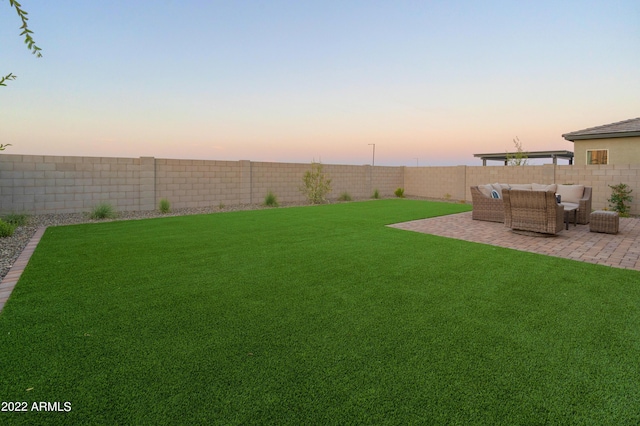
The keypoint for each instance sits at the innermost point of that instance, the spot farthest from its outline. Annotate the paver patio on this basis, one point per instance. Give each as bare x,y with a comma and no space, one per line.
621,250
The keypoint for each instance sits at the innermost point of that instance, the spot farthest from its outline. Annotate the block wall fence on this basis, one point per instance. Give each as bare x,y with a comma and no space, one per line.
64,184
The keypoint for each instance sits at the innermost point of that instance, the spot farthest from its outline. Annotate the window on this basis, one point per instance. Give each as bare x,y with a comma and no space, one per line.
597,156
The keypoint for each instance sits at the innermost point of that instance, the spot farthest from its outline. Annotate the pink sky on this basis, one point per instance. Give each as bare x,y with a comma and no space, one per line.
321,81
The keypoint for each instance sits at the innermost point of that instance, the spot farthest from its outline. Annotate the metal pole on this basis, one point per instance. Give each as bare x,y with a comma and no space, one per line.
373,162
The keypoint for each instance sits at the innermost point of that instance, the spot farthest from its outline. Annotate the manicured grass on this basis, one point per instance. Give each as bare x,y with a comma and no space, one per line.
315,315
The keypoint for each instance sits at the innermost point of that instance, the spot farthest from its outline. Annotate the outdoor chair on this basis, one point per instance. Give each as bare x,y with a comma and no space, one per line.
533,211
578,198
486,208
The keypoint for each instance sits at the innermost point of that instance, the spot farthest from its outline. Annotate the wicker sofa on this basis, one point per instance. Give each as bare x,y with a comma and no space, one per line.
485,207
532,211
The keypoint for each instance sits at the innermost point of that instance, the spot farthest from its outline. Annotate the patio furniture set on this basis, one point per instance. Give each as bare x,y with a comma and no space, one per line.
540,209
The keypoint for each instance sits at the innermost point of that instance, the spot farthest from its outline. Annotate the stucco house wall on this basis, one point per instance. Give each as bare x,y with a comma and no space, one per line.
621,150
621,140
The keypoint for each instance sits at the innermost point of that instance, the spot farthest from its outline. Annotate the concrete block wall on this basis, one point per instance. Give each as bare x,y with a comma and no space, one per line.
51,184
283,180
600,177
200,183
436,182
354,180
385,179
63,184
477,175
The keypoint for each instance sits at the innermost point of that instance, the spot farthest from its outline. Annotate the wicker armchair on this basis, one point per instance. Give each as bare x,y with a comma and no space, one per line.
534,211
486,208
584,207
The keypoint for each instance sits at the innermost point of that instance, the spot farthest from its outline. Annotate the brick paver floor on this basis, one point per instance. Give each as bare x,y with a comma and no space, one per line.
621,250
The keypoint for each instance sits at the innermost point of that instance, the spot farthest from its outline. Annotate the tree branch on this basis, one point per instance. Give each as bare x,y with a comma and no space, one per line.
28,38
26,32
7,77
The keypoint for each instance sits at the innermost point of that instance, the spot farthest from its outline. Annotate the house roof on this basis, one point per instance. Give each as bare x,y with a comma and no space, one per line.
621,129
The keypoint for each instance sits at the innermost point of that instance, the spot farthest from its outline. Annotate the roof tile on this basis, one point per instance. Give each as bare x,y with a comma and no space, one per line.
626,126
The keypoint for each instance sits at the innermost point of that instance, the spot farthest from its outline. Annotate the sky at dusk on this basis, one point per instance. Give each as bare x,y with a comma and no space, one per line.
427,82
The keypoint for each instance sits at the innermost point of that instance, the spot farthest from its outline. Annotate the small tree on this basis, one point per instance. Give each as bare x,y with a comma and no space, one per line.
619,199
315,184
519,158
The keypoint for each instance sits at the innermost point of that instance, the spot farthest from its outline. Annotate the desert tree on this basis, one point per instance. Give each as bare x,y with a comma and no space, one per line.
518,158
316,185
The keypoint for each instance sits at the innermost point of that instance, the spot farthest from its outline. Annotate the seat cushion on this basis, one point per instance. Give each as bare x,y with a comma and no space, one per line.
570,205
570,193
538,187
485,190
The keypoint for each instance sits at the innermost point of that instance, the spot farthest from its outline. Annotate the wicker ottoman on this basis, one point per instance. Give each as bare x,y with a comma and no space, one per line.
604,221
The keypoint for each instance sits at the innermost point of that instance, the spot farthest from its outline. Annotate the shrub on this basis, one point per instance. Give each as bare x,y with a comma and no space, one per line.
271,200
619,199
399,192
376,194
16,219
165,206
102,211
315,184
6,229
345,196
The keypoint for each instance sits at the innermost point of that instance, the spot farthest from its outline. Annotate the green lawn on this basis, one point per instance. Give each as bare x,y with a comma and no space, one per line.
315,315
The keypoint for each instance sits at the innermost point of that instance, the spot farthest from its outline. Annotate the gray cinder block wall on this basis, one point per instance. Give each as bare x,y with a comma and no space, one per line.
65,184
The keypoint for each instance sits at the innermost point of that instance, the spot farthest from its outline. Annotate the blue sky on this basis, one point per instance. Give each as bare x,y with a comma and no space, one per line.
429,82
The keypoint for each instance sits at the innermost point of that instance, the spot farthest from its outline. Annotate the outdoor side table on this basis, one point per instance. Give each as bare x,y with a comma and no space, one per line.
604,221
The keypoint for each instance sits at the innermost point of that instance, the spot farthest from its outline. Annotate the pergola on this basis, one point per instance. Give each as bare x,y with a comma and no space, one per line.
505,156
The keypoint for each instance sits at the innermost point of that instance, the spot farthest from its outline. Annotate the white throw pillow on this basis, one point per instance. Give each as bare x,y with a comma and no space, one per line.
498,187
521,187
570,193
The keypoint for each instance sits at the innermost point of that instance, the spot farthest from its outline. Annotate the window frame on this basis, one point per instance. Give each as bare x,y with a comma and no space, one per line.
589,157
